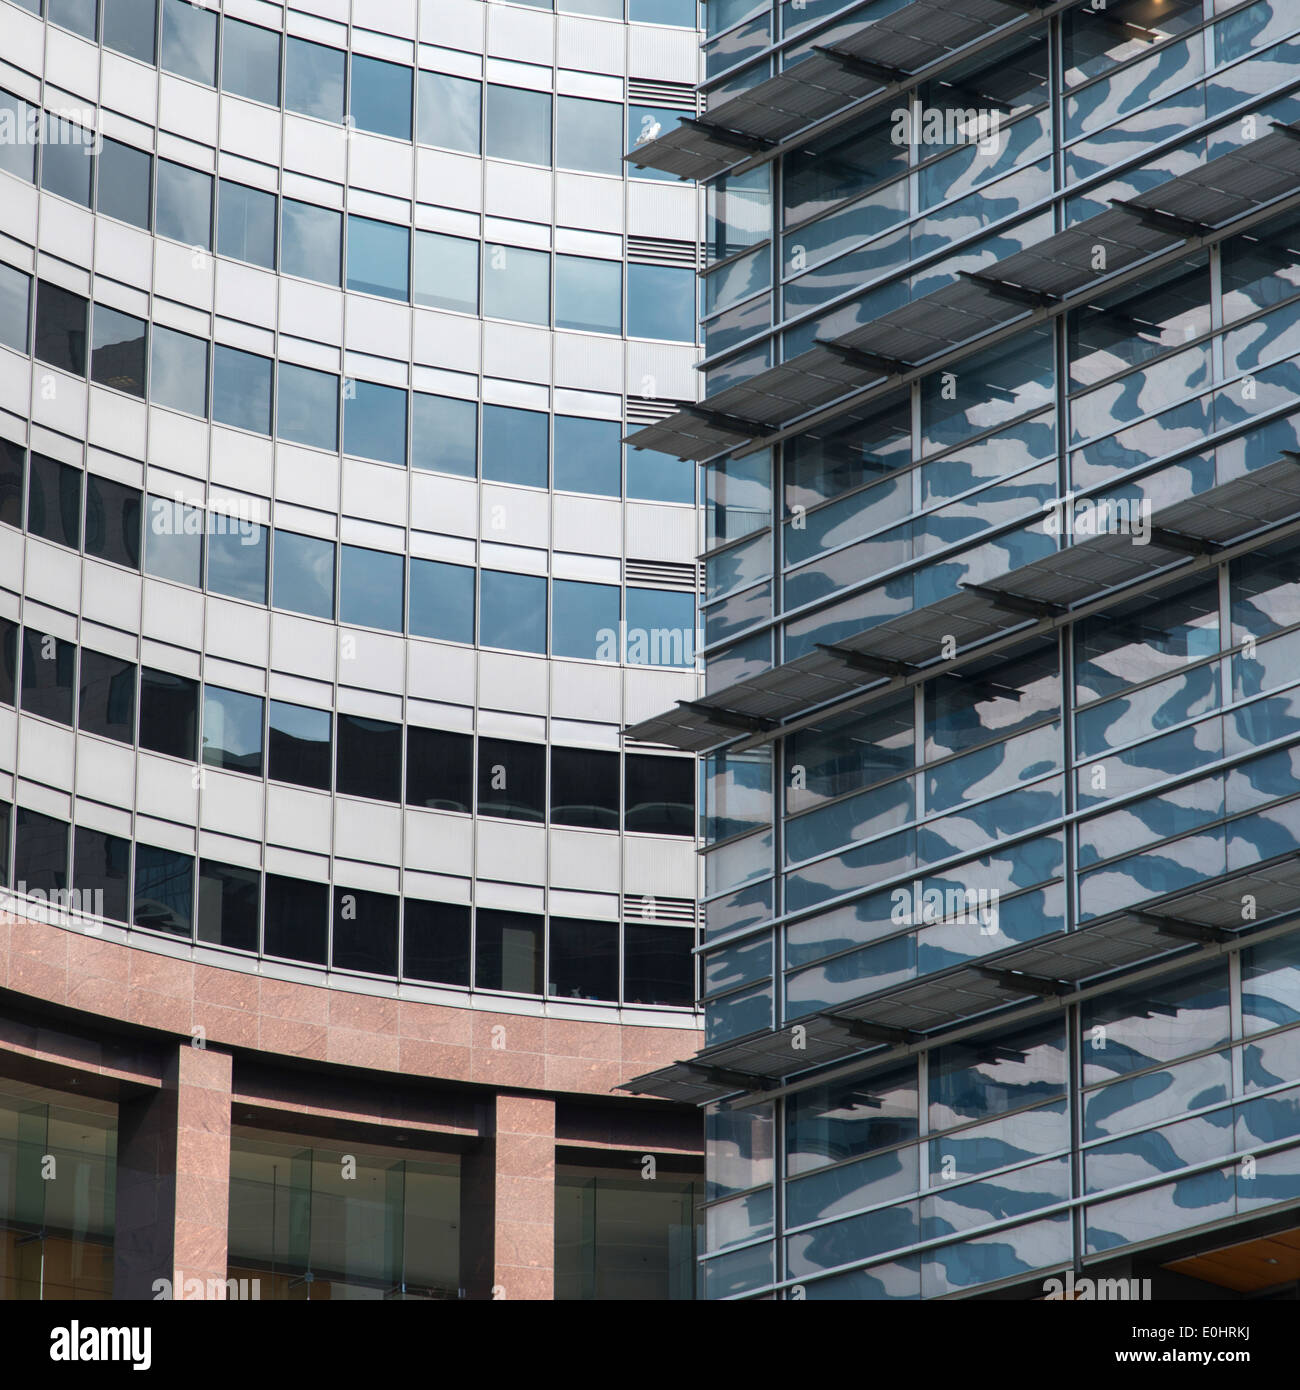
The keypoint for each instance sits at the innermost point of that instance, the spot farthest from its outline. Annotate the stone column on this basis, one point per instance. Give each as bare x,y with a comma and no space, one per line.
524,1216
173,1180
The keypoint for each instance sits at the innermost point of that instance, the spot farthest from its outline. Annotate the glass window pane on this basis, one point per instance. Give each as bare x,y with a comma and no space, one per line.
513,611
584,620
18,153
13,487
442,601
246,224
129,27
517,284
369,758
370,591
511,779
365,931
584,959
659,795
241,389
107,696
184,210
584,788
8,661
304,574
54,500
435,942
378,253
374,421
514,445
124,183
299,745
588,454
178,371
164,890
61,328
15,310
66,163
308,406
658,967
250,61
237,553
311,240
101,864
230,901
174,549
49,676
381,97
444,434
446,272
40,852
678,12
118,352
169,713
112,521
518,124
661,302
189,41
588,294
439,769
508,952
232,730
313,79
297,919
646,123
589,135
450,112
660,628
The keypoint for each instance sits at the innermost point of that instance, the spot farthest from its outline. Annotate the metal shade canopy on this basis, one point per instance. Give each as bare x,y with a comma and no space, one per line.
1052,965
1044,588
974,305
884,52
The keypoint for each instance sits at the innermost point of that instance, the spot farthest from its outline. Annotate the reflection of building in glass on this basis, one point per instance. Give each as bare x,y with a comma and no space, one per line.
999,436
321,325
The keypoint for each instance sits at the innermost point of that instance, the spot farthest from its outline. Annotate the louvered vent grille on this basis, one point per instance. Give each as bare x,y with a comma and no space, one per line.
650,908
663,574
678,96
652,250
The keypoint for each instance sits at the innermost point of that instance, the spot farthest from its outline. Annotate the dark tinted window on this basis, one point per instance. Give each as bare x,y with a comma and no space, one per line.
441,601
107,705
61,328
508,952
369,758
659,795
297,919
365,931
435,942
584,959
164,890
658,967
439,769
49,667
112,521
54,500
40,852
370,589
300,745
8,660
511,779
102,864
169,713
381,97
584,788
229,901
13,457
